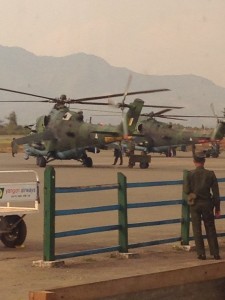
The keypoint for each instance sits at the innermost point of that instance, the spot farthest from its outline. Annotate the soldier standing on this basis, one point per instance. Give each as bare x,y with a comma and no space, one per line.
14,147
199,186
118,154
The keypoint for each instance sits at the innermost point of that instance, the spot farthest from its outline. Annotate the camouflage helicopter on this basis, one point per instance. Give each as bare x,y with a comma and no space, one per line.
63,134
152,135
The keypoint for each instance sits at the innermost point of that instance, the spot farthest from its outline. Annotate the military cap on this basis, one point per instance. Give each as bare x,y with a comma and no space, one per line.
199,157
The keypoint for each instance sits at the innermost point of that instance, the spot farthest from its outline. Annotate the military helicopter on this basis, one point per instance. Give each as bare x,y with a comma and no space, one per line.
155,136
63,134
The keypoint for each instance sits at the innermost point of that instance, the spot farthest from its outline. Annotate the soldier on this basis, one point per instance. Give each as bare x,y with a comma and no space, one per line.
118,154
14,147
200,182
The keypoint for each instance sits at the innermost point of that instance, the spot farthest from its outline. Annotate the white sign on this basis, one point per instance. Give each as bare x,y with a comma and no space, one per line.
18,192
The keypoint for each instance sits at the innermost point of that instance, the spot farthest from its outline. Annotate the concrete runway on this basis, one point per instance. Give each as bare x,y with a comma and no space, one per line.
17,275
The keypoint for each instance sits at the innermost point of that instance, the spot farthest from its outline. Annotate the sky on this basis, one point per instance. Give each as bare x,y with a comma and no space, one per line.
152,37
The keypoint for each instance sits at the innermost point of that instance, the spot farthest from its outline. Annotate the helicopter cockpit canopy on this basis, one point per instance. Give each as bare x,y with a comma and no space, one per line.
76,116
80,116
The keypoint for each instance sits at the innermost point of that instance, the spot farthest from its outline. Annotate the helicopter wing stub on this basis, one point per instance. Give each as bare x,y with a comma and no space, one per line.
35,138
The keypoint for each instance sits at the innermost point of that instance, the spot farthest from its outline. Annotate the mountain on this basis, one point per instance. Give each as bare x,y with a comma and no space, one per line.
81,75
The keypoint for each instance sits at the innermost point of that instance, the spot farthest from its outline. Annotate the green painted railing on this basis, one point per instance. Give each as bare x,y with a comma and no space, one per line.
50,213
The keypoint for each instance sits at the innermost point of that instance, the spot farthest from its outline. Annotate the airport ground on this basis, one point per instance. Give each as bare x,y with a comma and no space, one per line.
18,276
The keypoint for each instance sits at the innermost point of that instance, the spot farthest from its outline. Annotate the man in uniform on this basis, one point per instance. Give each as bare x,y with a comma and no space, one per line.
14,147
199,186
118,154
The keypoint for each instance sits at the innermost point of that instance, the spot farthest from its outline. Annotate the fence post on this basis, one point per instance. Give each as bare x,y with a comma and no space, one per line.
122,214
185,223
49,214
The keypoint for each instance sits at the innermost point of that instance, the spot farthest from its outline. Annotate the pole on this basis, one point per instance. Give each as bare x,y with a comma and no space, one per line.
122,214
49,214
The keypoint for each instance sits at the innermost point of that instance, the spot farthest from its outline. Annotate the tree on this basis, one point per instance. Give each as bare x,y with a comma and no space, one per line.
12,120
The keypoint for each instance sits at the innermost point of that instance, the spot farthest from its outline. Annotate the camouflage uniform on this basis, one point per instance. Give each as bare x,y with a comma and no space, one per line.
200,182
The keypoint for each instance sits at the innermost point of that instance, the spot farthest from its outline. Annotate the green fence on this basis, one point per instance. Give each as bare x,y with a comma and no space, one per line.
122,207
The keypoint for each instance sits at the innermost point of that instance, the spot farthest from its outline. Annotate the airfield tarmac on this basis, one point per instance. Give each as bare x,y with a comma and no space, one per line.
18,276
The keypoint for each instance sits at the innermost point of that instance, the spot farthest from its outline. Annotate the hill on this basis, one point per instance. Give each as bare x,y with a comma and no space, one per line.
80,75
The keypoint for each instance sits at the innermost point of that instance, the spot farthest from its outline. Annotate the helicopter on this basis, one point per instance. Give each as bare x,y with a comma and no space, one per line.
63,134
152,135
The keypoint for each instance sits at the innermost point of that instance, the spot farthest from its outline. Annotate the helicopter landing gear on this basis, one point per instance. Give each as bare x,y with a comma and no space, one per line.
41,161
14,231
171,152
88,162
144,165
37,160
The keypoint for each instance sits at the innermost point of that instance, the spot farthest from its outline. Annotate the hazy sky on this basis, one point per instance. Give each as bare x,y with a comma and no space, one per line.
147,36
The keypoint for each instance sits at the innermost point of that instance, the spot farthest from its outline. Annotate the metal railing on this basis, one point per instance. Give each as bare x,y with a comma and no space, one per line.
50,213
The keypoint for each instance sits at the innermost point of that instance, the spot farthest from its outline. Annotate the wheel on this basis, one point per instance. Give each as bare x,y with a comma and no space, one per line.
88,162
131,164
37,160
168,153
174,152
41,161
144,165
17,235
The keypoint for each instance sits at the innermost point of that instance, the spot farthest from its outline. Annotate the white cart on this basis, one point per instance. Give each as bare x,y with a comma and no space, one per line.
17,198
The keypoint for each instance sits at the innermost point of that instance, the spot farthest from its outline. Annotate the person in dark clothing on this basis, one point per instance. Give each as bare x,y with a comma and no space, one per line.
14,147
199,186
118,155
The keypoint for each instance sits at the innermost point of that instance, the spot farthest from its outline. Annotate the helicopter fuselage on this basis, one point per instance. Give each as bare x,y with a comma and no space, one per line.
70,131
164,134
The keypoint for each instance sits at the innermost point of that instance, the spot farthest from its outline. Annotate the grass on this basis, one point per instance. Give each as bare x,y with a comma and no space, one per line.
5,143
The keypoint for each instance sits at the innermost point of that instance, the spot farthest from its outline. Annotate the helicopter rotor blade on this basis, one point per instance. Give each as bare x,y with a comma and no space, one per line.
159,114
124,117
193,116
117,104
27,94
80,100
155,114
163,106
152,115
127,87
172,118
37,101
213,109
116,95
